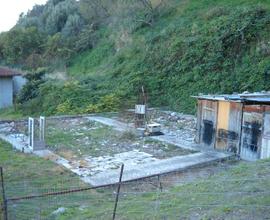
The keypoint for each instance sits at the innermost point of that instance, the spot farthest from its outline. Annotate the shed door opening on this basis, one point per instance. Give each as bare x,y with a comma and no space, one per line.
251,136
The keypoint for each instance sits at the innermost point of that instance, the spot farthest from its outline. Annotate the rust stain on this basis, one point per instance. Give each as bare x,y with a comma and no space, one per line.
254,108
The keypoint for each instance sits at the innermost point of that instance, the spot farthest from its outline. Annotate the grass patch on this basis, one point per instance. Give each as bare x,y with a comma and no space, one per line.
239,193
79,138
10,114
26,175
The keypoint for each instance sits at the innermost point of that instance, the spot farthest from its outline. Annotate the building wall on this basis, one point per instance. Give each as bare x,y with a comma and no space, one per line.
251,137
18,83
222,125
265,150
235,127
6,92
207,123
225,118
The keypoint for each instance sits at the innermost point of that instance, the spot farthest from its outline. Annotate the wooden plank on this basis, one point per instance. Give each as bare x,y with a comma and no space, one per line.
265,151
222,125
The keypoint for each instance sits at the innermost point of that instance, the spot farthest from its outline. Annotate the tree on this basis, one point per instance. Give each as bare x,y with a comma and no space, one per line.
86,39
94,11
59,14
31,88
73,25
56,48
2,41
19,43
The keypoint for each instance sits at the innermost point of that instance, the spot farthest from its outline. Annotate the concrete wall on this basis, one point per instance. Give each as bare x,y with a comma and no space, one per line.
18,83
6,92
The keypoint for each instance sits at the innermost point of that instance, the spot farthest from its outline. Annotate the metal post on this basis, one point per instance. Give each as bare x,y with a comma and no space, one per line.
118,191
160,184
42,128
5,214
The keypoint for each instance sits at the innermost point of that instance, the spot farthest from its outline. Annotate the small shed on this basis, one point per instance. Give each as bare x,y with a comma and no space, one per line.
6,86
238,123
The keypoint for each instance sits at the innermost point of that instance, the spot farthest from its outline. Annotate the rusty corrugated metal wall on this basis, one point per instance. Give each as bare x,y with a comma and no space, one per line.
234,127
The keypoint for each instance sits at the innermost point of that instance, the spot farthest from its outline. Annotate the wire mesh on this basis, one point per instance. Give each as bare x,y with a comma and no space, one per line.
164,197
150,198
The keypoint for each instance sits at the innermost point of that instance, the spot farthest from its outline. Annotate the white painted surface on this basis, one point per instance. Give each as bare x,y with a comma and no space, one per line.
31,133
42,122
140,109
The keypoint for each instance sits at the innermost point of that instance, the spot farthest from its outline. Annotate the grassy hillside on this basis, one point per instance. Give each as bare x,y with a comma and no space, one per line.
197,47
190,47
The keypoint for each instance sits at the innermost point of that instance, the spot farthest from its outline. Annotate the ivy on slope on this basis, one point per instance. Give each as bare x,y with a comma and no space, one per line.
224,51
188,50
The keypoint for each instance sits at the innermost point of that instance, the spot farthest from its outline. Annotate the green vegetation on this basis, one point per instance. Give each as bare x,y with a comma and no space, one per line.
174,48
77,139
9,114
26,175
240,192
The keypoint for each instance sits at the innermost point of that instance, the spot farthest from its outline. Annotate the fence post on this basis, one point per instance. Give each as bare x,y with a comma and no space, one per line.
118,191
5,214
160,184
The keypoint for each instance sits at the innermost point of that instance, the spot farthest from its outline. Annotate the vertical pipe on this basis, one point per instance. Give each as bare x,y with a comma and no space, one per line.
118,191
216,126
33,133
29,132
5,215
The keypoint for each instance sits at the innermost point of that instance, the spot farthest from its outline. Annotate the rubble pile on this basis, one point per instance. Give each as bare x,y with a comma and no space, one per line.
6,128
177,124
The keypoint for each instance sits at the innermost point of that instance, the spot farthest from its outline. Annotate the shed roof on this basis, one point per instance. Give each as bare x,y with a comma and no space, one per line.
6,72
259,97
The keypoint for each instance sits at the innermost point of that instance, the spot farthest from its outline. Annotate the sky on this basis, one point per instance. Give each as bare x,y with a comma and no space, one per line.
11,9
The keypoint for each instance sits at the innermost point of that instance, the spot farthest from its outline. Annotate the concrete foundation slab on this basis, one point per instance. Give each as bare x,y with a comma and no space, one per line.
105,170
155,168
18,142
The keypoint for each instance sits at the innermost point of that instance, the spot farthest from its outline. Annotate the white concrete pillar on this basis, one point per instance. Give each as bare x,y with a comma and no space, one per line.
31,127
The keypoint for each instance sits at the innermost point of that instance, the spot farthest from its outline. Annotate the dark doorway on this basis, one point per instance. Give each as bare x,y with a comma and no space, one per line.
250,142
208,132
